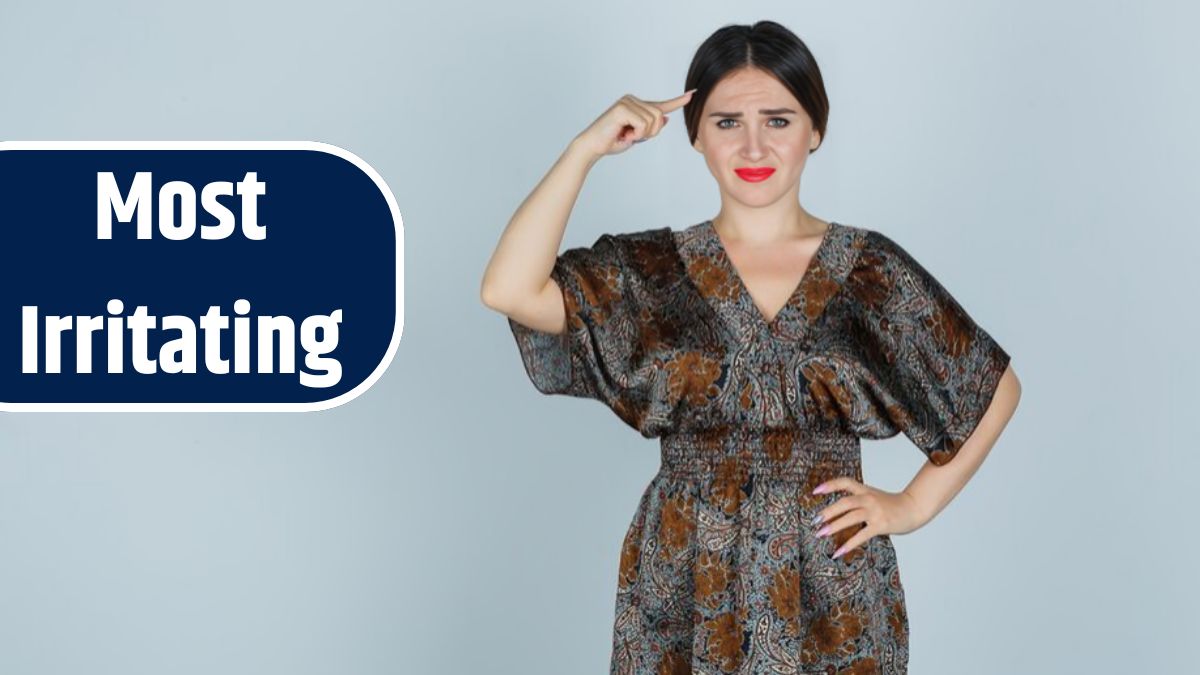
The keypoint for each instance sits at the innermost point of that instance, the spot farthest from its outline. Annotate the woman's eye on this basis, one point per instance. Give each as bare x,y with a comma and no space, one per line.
721,123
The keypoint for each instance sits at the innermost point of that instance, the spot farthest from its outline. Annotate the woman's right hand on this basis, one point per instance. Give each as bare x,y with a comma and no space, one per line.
628,121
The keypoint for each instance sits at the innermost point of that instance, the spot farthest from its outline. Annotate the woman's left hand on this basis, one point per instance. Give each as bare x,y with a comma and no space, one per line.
882,512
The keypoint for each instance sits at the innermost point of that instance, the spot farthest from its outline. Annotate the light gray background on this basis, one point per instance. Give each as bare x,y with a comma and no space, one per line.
1039,158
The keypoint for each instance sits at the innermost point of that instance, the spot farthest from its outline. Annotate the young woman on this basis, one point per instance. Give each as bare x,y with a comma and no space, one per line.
759,346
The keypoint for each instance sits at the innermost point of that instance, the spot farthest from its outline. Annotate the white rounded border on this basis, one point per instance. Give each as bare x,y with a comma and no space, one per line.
235,145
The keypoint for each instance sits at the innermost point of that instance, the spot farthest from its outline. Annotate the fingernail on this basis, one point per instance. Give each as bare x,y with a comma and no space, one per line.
839,552
819,490
823,531
818,519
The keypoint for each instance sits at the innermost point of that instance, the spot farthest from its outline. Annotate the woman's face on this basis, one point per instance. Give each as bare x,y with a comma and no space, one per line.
751,120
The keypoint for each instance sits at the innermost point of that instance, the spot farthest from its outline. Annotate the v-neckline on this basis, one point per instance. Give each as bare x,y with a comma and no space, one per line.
744,291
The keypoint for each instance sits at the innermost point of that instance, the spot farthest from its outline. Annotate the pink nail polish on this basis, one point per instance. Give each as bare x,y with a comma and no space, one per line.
823,531
839,552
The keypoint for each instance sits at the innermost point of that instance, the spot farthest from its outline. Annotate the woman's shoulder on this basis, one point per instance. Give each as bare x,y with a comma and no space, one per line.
874,248
629,254
876,264
648,253
624,240
641,237
885,270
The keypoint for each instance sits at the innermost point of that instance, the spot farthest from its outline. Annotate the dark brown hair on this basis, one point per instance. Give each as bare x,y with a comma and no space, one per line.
765,45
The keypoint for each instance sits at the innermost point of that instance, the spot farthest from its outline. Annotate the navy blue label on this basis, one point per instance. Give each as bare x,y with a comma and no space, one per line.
243,279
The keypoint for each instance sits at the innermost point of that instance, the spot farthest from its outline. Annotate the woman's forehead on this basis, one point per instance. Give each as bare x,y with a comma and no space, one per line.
748,90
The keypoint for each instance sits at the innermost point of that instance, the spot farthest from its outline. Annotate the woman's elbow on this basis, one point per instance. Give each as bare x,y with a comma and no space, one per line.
491,297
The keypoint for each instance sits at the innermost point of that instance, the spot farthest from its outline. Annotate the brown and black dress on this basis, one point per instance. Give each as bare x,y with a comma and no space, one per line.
721,570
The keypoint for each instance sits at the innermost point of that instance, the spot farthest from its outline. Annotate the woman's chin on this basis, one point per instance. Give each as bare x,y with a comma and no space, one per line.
752,194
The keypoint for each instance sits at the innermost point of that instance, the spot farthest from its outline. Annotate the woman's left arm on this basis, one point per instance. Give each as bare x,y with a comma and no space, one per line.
880,512
928,370
935,486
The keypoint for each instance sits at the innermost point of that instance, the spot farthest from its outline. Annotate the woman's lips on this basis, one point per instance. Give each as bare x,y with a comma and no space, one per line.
754,175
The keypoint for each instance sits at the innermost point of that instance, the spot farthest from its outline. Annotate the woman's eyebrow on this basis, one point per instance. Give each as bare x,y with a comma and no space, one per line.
767,111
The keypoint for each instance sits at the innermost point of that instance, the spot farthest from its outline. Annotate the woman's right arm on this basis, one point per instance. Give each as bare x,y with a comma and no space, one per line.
517,280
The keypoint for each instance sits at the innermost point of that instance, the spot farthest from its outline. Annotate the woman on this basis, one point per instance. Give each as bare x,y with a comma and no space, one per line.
756,548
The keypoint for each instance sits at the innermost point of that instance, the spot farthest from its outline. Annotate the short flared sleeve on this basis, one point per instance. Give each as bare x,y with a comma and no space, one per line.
600,353
927,368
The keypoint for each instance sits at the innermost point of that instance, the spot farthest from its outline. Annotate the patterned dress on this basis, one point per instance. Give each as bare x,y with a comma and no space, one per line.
721,570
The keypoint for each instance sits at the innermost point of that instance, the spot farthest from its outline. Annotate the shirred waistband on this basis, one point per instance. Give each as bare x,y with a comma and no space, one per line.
787,452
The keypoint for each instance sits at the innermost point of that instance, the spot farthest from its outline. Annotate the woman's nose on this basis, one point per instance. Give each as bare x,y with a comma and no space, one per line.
753,146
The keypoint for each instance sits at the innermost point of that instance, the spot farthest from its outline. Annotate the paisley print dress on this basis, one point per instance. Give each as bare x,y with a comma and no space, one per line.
721,570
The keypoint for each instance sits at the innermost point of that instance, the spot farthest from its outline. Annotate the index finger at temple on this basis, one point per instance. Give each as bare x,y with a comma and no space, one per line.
672,104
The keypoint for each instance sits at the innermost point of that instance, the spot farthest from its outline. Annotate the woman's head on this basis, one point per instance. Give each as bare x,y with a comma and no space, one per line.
759,102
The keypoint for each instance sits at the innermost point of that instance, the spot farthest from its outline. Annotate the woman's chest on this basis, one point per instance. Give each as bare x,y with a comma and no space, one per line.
716,354
714,369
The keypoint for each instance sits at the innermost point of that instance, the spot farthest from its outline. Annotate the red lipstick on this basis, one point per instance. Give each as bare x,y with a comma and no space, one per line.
754,175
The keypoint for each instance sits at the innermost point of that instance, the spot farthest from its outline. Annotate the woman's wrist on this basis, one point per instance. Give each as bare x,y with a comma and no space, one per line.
577,151
923,511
